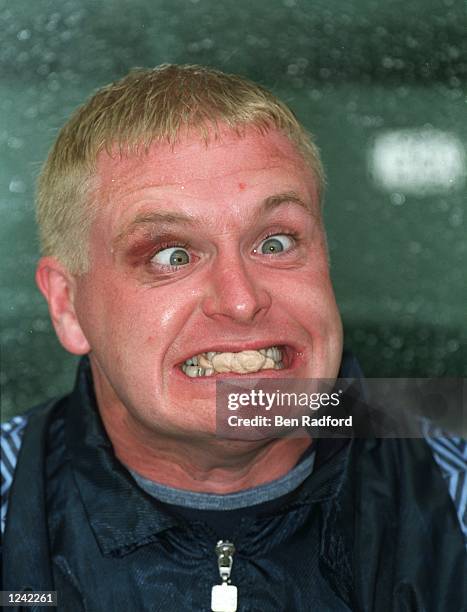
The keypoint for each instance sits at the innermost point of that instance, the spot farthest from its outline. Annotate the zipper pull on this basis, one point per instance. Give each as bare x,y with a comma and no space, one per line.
224,596
225,552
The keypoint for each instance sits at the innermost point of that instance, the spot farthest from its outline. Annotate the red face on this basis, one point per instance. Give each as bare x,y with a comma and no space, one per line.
201,249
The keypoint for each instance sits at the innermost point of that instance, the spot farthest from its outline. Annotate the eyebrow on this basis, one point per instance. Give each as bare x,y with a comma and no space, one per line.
155,218
175,218
283,198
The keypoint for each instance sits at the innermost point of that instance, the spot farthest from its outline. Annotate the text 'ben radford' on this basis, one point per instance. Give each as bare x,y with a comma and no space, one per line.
293,422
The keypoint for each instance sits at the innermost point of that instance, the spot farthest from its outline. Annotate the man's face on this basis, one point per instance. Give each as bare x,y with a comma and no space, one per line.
204,249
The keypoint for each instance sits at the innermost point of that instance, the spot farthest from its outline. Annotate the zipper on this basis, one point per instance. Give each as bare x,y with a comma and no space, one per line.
225,551
224,596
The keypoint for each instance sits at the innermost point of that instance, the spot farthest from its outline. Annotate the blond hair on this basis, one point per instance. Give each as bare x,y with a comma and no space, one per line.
145,106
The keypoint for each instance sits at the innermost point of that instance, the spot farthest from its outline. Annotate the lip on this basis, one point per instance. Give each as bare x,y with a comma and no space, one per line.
293,357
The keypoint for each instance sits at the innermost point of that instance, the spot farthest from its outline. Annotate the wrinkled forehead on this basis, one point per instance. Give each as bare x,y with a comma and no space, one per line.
195,158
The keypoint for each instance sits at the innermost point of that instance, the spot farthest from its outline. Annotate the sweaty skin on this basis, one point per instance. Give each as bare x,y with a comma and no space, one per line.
140,317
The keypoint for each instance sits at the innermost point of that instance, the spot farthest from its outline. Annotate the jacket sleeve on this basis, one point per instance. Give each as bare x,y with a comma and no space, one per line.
10,440
450,453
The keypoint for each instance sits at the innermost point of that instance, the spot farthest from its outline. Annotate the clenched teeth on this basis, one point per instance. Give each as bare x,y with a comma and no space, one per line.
244,362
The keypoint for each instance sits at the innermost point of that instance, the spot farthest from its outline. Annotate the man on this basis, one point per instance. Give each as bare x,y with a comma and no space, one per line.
183,244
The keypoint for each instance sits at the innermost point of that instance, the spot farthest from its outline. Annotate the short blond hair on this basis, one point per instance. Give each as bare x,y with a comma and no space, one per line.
146,106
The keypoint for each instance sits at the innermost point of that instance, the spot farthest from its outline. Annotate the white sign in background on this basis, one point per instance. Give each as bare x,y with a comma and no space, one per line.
417,161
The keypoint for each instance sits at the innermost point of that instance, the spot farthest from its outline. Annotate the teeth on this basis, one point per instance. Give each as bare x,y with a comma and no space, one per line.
277,356
193,371
243,362
203,362
268,364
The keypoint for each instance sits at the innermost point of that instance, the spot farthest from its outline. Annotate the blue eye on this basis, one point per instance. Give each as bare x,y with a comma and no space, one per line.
276,244
172,256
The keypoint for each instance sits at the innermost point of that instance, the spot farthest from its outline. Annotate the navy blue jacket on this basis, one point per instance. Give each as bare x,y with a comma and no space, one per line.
373,529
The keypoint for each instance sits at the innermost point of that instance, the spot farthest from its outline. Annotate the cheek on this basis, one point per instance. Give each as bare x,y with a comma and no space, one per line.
156,322
106,310
145,322
171,307
309,288
309,299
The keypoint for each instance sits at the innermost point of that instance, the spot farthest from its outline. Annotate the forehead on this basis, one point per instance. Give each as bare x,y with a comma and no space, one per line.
204,172
192,157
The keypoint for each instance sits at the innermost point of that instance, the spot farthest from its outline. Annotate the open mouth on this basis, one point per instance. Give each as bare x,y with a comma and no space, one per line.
211,363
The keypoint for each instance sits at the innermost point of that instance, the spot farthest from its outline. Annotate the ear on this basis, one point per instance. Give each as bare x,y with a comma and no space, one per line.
58,286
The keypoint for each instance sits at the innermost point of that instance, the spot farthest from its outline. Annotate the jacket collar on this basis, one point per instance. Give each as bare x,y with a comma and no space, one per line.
121,515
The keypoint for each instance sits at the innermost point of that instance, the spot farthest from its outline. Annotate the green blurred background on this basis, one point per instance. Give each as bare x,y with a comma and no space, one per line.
382,86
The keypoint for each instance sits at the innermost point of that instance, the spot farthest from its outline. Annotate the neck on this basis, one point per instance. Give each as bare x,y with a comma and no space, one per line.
205,464
192,460
212,467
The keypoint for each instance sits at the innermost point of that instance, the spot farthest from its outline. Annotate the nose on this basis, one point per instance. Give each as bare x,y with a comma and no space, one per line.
234,293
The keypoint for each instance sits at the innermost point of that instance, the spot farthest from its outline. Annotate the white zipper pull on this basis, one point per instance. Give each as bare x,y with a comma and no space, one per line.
224,596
